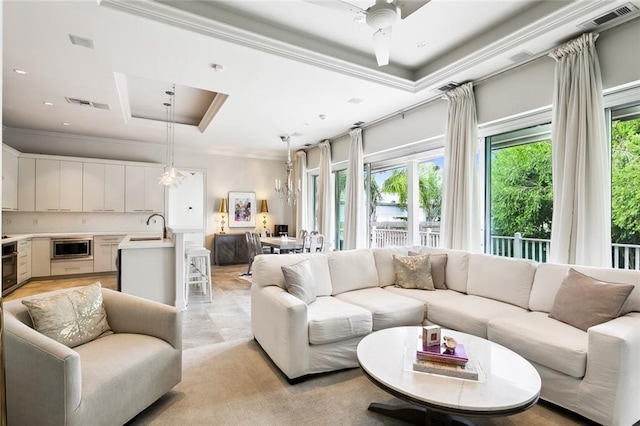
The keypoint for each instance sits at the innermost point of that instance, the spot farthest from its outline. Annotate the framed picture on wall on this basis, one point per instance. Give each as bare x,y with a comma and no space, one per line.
242,209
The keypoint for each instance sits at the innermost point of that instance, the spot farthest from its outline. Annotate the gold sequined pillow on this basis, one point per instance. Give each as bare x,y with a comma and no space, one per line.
72,317
413,272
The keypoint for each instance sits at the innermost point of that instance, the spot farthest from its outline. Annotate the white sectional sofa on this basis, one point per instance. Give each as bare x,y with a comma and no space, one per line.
595,373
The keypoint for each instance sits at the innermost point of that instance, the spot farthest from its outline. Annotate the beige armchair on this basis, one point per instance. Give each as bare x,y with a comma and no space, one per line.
103,382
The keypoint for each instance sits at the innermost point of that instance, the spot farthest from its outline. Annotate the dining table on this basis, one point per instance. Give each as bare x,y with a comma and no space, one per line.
284,244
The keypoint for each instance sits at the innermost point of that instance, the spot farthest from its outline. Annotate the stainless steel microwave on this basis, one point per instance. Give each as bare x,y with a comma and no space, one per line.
71,248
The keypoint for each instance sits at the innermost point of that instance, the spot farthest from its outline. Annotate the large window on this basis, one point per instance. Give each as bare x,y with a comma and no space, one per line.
519,193
430,187
388,211
341,190
625,181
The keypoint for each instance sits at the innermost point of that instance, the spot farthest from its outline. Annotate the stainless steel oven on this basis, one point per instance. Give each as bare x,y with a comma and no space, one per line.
9,266
71,248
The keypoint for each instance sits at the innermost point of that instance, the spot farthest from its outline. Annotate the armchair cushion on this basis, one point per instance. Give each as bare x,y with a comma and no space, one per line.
71,317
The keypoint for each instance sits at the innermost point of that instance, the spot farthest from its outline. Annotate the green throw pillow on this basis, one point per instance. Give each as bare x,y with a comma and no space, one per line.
71,317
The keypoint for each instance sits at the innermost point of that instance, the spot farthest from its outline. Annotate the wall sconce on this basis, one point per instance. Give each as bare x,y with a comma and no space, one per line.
223,210
264,208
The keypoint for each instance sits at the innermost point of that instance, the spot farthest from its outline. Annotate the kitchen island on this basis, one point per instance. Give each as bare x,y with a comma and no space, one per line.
147,267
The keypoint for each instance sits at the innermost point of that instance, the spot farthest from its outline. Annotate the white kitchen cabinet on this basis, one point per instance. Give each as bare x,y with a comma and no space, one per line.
9,179
71,267
70,186
105,250
24,260
58,185
143,193
102,187
26,184
113,188
41,257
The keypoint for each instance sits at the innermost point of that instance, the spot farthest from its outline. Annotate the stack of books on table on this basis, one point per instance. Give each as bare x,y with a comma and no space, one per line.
435,359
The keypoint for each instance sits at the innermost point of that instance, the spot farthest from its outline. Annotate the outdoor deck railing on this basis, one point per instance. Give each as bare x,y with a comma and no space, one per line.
624,256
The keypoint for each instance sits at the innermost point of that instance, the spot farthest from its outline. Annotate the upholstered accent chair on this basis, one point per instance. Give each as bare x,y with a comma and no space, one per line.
106,381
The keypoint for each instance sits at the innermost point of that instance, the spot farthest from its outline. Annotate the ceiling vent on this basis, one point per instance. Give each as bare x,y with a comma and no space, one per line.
358,123
450,85
81,41
522,56
608,17
355,101
85,103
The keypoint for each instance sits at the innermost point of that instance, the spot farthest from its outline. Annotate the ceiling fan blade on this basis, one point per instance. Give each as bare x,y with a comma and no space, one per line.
382,45
338,5
407,7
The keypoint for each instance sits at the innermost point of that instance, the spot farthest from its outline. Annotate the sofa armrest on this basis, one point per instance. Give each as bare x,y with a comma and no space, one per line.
43,376
611,385
279,324
131,314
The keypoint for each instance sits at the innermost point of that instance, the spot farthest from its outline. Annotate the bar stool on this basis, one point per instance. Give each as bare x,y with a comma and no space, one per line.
197,270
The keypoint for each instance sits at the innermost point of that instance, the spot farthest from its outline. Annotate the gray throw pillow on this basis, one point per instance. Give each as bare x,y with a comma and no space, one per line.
438,268
413,272
583,301
71,317
299,281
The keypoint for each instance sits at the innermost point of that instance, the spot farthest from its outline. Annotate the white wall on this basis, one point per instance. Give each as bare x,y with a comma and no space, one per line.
223,174
522,89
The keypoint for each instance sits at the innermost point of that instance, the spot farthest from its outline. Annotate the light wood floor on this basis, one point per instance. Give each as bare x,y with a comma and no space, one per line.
108,280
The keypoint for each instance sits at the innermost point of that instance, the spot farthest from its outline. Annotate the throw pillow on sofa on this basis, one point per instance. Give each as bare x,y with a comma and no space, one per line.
413,272
71,317
583,301
438,268
299,282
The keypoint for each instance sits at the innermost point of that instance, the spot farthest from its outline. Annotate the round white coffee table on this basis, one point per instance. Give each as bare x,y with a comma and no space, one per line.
507,383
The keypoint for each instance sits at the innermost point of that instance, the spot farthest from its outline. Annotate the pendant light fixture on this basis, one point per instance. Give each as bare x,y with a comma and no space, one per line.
171,175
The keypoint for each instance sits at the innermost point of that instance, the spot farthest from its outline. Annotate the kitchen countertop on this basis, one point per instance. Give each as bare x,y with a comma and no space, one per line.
17,237
144,242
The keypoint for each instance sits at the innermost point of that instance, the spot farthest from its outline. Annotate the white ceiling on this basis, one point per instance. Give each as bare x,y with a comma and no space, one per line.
285,63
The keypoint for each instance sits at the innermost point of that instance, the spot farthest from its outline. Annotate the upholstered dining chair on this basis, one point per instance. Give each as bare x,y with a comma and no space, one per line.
254,248
316,243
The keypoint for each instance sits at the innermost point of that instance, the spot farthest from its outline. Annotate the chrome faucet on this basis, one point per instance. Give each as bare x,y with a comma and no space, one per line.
164,225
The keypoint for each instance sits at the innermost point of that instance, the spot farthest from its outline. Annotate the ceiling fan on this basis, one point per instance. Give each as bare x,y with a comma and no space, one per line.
380,17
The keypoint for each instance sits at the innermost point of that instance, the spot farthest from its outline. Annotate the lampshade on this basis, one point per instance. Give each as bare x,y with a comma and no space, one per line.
223,205
264,208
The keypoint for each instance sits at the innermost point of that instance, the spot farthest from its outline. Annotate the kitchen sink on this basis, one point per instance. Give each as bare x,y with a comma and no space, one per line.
145,238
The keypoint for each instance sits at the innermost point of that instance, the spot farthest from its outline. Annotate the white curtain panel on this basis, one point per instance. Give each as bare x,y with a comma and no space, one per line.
461,215
325,194
300,173
355,225
581,227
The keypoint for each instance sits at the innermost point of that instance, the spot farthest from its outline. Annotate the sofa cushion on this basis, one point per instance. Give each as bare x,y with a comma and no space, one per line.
332,320
549,277
469,314
438,268
71,317
299,281
413,272
384,263
501,278
352,270
457,267
583,301
543,340
388,309
424,296
267,270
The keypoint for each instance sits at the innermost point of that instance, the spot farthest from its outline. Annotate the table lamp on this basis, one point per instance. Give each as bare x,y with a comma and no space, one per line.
223,210
264,208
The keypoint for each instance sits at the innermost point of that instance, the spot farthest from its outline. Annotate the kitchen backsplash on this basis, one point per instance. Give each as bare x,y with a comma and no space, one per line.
27,222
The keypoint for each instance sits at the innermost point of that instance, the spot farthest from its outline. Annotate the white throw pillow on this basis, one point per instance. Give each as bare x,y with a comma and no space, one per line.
299,281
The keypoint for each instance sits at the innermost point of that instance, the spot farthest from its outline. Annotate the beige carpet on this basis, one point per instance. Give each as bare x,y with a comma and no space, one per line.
233,383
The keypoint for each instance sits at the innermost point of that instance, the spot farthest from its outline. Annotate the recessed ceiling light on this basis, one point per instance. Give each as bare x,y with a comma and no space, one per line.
64,123
322,116
18,71
355,100
305,123
360,19
217,67
421,44
48,103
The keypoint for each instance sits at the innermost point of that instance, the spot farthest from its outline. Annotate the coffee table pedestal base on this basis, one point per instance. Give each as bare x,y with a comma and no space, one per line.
418,415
